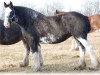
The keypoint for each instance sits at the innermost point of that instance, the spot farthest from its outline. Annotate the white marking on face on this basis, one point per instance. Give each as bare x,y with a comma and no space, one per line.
6,17
90,50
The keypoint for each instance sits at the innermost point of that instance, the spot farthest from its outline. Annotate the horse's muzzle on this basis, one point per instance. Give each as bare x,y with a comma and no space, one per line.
6,24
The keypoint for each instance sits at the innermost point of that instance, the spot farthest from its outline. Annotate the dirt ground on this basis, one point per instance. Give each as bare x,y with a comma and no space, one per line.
57,58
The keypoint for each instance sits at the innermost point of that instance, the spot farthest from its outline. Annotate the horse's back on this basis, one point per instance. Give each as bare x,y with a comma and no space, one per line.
76,23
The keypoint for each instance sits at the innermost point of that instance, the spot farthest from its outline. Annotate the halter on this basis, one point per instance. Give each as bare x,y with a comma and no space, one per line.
10,18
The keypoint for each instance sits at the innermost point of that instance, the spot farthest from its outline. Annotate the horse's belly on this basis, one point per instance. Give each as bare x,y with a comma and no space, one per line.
49,39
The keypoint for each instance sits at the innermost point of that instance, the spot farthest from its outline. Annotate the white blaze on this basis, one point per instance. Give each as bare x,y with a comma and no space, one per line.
7,14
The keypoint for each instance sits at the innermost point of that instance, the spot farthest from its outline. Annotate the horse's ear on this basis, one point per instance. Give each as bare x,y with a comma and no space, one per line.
5,4
11,4
56,11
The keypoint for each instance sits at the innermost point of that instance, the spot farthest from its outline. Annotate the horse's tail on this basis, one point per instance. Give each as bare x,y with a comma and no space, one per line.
89,26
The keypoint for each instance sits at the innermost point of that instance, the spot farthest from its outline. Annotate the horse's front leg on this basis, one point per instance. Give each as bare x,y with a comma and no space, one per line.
26,57
38,61
40,55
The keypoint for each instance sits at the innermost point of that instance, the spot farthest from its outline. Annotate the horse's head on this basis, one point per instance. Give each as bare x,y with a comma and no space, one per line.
57,12
9,14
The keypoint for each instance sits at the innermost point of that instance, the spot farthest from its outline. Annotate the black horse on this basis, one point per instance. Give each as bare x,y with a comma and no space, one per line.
11,35
37,28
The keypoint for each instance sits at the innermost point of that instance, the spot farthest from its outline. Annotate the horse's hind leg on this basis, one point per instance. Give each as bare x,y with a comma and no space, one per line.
91,52
82,63
74,45
37,59
26,57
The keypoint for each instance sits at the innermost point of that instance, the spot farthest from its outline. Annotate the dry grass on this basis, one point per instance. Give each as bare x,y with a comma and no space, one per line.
57,58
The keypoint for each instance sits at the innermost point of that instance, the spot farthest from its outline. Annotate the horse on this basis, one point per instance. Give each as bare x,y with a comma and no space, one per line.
74,45
94,24
37,28
94,20
11,35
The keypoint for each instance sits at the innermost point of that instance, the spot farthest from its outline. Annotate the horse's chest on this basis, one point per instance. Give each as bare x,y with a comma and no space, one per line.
26,35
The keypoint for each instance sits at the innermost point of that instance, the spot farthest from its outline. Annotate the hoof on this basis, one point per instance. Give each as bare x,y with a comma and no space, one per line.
96,67
23,65
41,64
74,49
79,68
36,69
77,56
92,68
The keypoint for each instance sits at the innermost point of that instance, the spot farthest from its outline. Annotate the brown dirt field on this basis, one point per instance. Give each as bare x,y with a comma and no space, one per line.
57,58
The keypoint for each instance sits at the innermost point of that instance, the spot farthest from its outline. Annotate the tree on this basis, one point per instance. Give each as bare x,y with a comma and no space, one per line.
51,8
91,7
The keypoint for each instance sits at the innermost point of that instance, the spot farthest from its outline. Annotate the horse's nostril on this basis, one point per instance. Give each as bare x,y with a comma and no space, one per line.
7,25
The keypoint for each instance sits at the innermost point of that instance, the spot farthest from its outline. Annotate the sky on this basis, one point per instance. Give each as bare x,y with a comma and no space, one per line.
74,5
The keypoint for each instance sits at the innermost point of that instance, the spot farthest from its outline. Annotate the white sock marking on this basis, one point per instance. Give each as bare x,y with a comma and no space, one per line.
40,55
82,56
26,57
89,49
36,61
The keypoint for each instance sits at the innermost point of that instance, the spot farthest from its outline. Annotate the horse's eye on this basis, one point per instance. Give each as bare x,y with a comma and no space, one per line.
11,14
13,19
